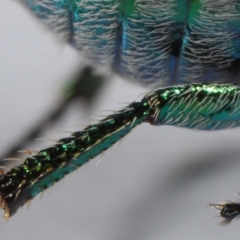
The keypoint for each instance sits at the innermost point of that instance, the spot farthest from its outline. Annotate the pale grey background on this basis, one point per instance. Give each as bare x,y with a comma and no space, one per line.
153,185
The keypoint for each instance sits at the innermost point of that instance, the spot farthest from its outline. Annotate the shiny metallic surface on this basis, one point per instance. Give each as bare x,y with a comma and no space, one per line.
155,185
153,42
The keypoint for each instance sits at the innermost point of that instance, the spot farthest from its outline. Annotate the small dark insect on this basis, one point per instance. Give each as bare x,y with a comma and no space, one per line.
228,210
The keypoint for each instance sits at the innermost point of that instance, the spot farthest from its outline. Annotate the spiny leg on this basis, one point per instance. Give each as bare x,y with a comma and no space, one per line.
50,165
195,106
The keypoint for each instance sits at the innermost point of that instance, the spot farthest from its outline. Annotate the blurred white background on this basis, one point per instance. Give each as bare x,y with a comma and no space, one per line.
155,184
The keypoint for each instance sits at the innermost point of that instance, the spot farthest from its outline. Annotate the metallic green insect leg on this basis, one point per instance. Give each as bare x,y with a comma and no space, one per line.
199,106
50,165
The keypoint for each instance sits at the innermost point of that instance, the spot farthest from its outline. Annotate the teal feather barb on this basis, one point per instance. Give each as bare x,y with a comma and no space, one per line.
195,106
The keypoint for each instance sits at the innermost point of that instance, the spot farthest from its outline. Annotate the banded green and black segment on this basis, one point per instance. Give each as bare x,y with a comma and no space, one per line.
154,42
50,165
198,106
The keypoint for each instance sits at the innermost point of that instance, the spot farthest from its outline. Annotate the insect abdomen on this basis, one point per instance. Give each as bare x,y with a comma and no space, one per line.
155,42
